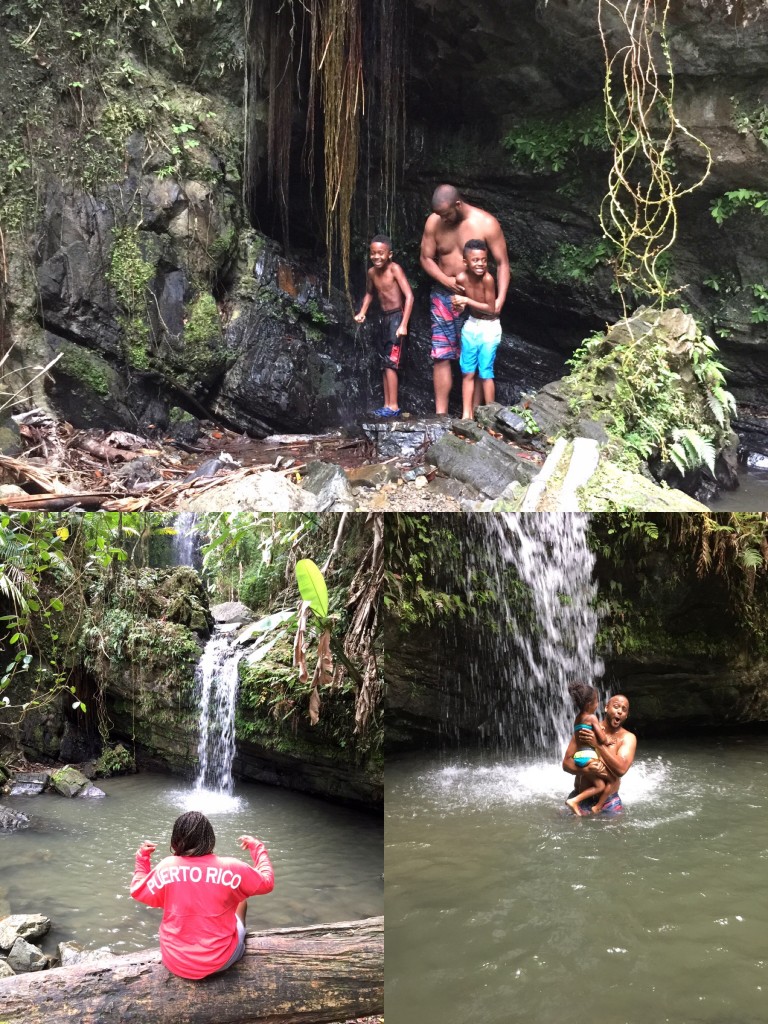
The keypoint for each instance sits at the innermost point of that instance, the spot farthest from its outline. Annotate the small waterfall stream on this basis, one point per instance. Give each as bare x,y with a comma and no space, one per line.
540,567
217,679
187,540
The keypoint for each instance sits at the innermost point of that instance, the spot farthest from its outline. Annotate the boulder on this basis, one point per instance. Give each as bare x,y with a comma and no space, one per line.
22,926
260,492
71,954
90,792
231,613
68,781
11,820
330,486
25,958
6,971
404,439
489,466
374,475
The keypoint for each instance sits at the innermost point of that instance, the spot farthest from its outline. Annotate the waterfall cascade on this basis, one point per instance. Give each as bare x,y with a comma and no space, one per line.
217,680
545,637
187,540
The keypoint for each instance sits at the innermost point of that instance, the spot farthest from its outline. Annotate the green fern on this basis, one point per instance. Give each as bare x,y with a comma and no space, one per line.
690,450
751,558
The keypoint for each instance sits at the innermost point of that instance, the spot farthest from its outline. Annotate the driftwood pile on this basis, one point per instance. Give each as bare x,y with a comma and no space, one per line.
63,468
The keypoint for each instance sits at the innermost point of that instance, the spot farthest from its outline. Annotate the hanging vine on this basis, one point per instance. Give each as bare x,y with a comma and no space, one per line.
336,67
344,61
386,38
639,213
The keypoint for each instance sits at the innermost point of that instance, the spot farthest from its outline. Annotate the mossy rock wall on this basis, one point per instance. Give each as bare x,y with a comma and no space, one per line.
689,651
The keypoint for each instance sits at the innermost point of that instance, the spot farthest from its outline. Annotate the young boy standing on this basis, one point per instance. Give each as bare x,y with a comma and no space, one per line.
387,281
481,333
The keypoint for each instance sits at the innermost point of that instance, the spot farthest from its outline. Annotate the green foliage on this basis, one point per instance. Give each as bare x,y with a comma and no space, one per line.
739,199
639,209
129,273
114,761
638,386
571,263
247,553
754,123
31,556
85,366
312,586
531,426
650,560
759,312
412,593
552,144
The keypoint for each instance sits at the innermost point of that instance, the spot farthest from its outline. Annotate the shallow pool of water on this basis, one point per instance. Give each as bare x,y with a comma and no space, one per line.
501,907
75,862
751,494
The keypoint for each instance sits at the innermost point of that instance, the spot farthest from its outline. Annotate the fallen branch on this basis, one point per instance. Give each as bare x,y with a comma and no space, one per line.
91,500
309,975
22,472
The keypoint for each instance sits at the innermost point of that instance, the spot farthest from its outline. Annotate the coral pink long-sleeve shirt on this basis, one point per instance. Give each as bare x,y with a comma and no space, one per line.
199,895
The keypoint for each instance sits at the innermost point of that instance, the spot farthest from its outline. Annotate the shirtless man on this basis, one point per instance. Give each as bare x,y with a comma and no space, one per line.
448,228
617,758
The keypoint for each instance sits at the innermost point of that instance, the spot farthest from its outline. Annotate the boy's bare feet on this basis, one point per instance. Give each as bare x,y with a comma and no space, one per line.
574,806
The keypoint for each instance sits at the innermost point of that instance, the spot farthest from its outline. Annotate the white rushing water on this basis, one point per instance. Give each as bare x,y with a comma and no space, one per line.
186,542
545,638
217,680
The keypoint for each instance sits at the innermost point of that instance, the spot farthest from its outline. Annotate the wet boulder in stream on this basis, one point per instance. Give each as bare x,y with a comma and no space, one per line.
68,781
22,926
25,958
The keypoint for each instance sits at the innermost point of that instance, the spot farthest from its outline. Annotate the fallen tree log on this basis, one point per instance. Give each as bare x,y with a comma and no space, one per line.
312,975
90,500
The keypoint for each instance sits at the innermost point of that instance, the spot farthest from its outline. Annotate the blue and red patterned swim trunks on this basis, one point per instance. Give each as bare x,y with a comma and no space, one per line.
446,324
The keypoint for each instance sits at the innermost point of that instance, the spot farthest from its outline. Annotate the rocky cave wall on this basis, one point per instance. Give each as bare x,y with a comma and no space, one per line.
130,254
677,645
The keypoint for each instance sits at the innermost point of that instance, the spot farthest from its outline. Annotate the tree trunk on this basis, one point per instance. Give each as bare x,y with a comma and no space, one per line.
312,975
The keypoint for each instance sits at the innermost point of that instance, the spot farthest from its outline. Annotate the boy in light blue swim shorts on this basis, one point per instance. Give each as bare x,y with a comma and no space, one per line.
481,333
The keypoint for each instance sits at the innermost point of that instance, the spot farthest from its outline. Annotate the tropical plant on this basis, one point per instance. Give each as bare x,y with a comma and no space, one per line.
634,377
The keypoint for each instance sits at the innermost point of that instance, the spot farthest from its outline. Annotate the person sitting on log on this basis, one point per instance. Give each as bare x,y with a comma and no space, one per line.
203,896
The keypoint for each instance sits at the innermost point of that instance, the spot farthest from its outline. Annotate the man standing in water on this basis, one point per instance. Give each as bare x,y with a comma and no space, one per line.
617,758
449,227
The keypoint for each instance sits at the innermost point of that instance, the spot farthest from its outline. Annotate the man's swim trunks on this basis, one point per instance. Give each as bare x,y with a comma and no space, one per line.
446,324
388,344
479,341
611,807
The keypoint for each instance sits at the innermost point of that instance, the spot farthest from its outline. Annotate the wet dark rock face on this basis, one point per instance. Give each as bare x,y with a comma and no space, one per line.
675,644
274,351
483,69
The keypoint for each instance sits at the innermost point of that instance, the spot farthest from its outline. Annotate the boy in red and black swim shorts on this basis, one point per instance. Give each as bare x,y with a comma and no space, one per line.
386,281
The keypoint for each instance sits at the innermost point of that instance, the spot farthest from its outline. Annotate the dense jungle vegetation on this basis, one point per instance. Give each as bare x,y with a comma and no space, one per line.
90,600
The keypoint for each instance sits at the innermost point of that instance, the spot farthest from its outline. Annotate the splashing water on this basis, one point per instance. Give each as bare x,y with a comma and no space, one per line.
217,678
546,634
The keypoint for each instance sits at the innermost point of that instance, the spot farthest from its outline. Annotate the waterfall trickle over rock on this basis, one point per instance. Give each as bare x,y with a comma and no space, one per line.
187,540
217,681
547,622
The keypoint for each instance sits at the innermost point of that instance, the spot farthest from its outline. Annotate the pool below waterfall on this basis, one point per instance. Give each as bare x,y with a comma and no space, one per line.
75,861
502,907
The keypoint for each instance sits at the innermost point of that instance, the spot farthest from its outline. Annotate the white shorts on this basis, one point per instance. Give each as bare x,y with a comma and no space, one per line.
239,948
